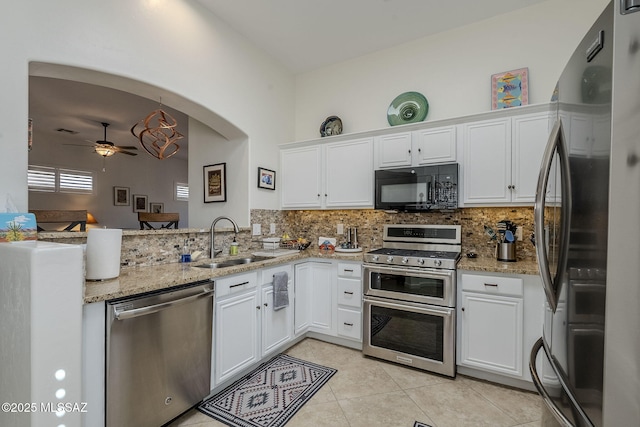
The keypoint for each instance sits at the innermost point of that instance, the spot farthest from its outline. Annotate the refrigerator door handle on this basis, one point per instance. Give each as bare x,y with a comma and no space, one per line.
557,413
538,215
555,144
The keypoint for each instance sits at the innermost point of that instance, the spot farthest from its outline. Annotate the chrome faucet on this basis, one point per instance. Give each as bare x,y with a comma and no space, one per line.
236,230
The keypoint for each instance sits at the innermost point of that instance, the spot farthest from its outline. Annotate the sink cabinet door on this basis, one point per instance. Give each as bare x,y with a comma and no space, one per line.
236,335
277,326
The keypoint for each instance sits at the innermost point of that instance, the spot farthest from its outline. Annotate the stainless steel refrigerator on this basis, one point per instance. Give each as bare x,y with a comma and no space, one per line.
571,219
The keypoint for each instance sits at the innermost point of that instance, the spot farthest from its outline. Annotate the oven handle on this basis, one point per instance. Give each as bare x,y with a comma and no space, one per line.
410,306
420,272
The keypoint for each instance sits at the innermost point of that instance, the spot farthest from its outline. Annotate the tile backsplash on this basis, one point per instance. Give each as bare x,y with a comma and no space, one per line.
313,224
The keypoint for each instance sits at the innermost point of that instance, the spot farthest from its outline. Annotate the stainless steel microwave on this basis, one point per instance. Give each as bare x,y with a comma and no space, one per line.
418,189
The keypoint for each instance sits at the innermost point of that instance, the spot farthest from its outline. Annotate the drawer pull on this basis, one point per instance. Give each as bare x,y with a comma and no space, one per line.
350,271
493,285
238,284
348,293
348,324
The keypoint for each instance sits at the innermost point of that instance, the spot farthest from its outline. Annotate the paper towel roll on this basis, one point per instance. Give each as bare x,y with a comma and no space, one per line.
103,253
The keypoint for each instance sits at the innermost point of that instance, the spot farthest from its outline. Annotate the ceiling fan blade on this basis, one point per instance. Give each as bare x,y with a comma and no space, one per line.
126,147
80,145
120,150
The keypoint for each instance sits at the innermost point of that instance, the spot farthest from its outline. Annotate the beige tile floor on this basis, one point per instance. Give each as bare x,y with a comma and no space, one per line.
368,392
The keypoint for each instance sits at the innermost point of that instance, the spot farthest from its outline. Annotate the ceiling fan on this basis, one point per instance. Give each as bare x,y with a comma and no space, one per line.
107,148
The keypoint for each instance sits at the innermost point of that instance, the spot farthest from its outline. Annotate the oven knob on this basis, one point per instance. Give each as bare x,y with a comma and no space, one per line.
375,258
437,263
421,261
389,259
405,260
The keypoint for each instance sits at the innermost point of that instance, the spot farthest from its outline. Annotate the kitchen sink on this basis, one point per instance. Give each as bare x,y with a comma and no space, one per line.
233,262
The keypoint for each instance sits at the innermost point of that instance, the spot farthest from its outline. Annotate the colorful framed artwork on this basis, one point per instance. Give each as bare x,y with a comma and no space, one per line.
15,227
215,183
266,179
510,89
121,196
139,203
156,207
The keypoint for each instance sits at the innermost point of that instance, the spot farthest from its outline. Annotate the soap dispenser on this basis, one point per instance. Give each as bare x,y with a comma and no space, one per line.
186,256
233,249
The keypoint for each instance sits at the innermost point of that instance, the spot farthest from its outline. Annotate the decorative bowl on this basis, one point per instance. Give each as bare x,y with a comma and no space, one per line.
331,126
408,107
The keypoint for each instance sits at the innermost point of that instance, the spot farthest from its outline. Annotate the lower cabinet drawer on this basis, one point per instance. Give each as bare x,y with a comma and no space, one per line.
498,285
234,284
350,292
350,323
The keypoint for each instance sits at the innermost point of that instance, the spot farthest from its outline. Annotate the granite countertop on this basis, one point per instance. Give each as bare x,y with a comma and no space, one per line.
139,280
494,266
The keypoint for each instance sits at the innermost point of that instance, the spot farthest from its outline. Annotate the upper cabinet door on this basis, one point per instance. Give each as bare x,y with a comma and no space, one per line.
301,177
487,161
393,150
530,134
349,174
434,145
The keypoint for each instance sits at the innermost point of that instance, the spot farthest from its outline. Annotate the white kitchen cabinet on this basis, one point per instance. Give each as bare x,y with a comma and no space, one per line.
416,148
502,159
349,300
500,320
236,316
349,174
333,176
492,332
246,327
301,172
277,325
394,150
315,287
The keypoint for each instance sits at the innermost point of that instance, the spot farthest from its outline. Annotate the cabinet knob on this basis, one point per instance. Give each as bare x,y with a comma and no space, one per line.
462,308
258,307
409,151
419,150
266,305
318,194
325,194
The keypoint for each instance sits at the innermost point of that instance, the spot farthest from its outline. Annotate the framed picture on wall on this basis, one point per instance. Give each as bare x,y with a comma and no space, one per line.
121,196
510,89
266,179
139,203
156,207
215,183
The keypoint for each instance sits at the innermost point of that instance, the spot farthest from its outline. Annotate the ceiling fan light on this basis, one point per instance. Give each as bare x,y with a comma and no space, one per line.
105,151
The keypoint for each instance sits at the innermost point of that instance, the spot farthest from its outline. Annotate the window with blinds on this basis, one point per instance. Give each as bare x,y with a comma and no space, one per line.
49,179
182,191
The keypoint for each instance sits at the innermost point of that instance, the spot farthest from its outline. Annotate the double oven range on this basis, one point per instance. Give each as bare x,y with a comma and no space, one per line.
410,297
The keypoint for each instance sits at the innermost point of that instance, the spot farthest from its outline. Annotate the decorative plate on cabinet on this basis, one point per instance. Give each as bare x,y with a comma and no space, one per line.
408,107
331,126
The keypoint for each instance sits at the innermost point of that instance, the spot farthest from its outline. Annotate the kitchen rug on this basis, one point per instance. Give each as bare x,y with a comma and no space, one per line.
419,424
268,396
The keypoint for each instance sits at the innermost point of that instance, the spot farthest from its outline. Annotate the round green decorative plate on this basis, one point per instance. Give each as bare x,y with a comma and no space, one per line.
408,107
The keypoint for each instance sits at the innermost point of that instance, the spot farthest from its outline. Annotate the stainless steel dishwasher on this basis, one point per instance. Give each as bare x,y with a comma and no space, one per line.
158,355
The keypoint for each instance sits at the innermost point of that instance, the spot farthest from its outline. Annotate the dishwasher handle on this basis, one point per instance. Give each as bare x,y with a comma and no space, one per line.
136,312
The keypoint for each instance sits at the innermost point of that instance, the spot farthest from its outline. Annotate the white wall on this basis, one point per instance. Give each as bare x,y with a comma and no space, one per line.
206,147
199,65
452,69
